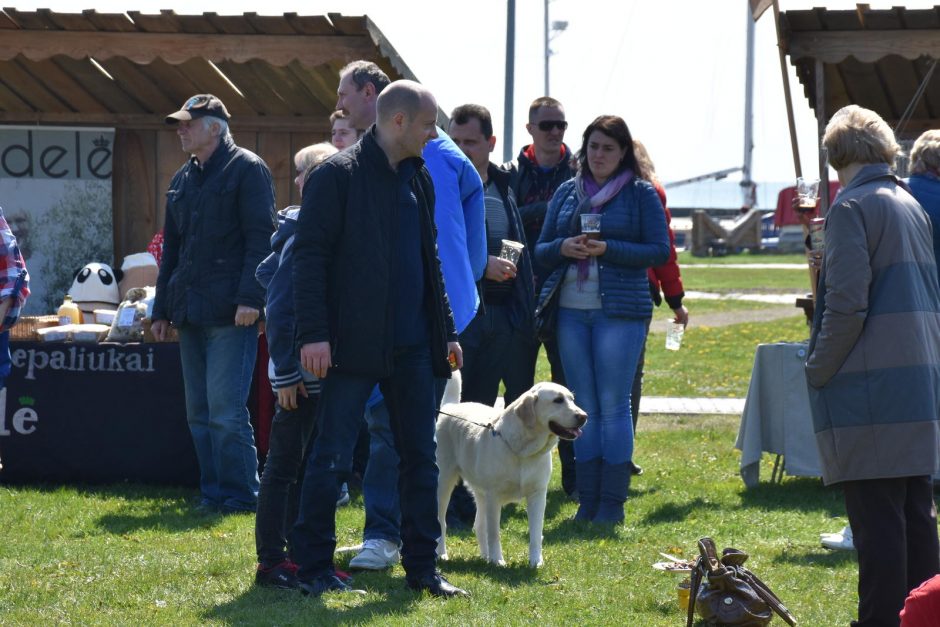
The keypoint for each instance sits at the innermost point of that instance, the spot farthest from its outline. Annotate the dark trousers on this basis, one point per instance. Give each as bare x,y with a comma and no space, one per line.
410,398
894,526
637,390
494,351
565,447
278,498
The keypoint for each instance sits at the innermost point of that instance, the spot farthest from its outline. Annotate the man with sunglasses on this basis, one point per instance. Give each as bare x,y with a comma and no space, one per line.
535,174
219,220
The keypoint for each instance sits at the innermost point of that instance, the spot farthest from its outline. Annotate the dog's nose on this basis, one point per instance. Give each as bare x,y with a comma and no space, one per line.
582,418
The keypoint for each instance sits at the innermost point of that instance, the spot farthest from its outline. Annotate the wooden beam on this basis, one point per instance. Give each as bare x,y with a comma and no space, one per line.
787,97
824,199
176,48
866,46
298,124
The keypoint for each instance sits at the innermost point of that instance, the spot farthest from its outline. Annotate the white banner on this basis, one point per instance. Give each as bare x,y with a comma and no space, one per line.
55,191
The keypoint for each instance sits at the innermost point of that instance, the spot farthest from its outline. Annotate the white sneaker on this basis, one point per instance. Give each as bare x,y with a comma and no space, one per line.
376,555
354,548
343,496
841,541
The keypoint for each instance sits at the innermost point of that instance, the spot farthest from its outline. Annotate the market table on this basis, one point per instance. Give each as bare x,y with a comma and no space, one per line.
776,416
95,413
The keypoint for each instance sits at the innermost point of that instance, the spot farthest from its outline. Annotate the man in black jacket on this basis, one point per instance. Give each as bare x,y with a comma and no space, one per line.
219,219
535,174
499,341
371,308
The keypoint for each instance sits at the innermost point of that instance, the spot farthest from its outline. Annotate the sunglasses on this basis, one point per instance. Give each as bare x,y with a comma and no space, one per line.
196,102
547,125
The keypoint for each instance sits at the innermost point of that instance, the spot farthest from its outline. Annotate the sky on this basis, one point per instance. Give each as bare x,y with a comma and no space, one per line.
673,69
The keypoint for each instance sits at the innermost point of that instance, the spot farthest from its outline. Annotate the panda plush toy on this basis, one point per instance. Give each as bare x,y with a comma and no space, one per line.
96,287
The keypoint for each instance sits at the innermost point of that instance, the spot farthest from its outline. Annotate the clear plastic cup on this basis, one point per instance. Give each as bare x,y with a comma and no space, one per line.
511,251
591,225
674,336
807,189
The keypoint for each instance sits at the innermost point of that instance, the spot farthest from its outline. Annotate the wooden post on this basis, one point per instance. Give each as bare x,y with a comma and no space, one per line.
824,199
794,147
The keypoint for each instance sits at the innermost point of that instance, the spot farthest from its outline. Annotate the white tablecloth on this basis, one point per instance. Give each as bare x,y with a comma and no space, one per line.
776,416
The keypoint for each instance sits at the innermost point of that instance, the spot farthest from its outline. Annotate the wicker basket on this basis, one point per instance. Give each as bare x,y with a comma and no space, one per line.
25,329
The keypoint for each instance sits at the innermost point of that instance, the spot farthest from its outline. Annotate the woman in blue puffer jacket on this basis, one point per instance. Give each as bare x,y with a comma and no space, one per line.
599,285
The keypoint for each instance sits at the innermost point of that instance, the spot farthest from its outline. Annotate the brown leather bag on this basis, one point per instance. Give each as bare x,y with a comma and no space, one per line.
725,593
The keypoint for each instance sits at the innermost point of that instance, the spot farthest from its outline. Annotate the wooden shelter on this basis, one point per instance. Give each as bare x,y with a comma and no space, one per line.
879,59
277,75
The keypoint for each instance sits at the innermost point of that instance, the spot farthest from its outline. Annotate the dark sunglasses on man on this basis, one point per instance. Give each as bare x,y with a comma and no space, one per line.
547,125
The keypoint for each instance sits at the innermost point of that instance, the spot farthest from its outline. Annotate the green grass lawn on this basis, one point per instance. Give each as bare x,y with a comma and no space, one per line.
139,555
713,362
764,281
759,280
701,306
132,555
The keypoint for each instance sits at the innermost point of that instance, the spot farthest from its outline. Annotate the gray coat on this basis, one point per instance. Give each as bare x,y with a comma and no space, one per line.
874,354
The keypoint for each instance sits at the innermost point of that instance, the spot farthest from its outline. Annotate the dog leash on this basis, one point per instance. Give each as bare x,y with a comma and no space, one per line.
488,426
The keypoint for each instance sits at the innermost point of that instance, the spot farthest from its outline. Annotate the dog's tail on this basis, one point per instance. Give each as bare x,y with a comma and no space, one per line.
452,391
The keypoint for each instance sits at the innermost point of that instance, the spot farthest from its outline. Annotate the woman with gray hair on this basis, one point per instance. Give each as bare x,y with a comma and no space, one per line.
925,179
873,367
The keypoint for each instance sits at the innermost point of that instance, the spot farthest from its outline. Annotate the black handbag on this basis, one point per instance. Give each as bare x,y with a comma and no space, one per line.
725,593
546,315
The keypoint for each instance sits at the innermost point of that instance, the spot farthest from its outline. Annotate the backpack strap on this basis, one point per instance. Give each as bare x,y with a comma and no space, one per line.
706,564
767,595
695,582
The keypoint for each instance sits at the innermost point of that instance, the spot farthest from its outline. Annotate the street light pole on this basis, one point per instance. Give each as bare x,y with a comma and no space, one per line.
550,29
510,78
548,50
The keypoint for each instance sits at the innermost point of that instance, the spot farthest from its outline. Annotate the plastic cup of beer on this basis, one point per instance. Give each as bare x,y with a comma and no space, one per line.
683,589
511,251
674,333
591,225
807,190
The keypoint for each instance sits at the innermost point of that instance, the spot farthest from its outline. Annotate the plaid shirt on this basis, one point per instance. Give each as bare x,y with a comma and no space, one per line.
14,279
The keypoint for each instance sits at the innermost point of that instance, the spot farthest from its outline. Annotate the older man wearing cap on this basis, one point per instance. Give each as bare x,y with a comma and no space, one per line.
219,219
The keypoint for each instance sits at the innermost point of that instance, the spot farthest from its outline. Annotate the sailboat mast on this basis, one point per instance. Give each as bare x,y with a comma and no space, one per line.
748,188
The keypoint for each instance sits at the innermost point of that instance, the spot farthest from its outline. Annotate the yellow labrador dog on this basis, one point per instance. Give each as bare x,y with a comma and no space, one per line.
503,457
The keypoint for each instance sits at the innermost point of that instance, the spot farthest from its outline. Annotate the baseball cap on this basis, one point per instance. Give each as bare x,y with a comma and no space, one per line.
199,106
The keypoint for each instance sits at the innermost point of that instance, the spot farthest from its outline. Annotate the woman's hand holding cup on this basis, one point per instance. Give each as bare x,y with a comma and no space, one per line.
575,247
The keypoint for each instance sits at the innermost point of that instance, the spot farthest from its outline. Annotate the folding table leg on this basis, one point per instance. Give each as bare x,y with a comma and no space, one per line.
774,477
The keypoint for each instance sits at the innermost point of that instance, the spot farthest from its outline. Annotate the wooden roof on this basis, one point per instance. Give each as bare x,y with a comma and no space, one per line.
131,69
873,58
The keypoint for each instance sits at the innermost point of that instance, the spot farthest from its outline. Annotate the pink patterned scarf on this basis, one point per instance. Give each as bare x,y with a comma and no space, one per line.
592,199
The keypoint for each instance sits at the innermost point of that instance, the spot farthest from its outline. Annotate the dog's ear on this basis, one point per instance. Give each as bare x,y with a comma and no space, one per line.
526,409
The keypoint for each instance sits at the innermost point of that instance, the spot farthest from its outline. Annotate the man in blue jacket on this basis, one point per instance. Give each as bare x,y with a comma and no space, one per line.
371,308
219,219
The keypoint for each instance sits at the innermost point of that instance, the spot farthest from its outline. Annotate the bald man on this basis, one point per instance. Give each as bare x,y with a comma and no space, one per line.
371,308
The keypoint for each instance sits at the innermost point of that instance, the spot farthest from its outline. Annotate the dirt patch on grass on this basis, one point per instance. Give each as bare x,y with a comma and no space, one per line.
721,319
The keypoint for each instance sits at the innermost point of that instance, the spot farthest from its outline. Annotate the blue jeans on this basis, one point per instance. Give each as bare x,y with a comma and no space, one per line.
410,398
218,362
380,480
600,356
278,498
